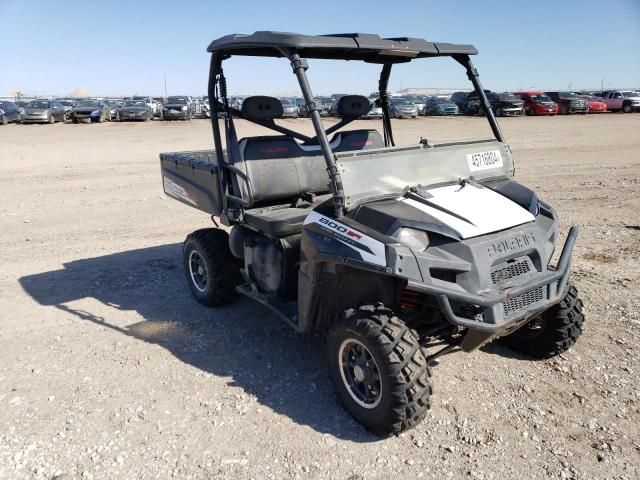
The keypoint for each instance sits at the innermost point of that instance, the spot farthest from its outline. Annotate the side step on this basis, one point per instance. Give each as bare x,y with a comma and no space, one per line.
286,311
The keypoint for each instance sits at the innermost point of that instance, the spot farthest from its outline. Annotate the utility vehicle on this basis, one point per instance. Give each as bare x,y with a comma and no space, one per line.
393,251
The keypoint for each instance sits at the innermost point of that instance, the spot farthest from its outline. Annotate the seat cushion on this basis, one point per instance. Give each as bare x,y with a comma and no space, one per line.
281,220
277,221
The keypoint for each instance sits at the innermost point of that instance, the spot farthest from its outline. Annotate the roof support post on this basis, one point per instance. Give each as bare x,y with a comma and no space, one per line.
473,76
383,85
300,66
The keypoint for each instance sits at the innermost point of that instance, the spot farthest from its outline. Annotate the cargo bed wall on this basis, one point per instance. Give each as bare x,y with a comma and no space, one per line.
193,179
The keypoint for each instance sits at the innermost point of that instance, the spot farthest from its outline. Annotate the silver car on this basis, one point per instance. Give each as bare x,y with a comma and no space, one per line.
44,111
289,109
401,108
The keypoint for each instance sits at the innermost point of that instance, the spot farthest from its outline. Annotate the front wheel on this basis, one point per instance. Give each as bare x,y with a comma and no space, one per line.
378,369
626,108
212,271
553,332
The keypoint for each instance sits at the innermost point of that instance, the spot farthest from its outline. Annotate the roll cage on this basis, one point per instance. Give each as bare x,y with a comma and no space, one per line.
297,48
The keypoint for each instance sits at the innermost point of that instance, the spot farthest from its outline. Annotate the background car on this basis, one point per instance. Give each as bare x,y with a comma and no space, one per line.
289,109
537,103
472,107
67,103
21,104
113,108
402,108
441,106
506,104
153,104
177,107
569,102
91,110
44,111
460,99
321,105
420,102
134,110
595,104
9,112
375,112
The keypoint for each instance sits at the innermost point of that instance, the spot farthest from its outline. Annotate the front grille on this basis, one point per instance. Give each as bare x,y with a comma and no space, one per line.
525,300
503,272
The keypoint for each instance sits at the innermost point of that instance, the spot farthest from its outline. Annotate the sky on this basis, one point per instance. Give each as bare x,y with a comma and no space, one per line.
118,47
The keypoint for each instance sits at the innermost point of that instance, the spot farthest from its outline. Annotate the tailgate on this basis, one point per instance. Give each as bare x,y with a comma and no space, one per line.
192,178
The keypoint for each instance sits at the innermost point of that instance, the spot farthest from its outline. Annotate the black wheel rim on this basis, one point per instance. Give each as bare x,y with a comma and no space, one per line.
360,373
198,271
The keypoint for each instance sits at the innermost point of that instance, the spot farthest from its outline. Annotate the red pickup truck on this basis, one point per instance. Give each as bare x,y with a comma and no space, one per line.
538,103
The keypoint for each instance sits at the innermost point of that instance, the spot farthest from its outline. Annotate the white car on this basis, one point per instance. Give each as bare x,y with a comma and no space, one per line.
616,100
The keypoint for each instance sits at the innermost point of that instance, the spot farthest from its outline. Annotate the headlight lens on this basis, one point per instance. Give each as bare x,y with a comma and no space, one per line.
95,112
417,240
184,109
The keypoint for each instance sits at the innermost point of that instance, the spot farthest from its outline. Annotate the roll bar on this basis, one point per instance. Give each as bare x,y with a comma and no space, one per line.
217,90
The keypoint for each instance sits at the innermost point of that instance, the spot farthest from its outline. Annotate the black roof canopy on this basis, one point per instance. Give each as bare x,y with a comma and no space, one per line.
343,46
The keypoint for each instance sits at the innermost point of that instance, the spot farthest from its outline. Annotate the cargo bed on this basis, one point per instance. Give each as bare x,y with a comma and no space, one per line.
193,178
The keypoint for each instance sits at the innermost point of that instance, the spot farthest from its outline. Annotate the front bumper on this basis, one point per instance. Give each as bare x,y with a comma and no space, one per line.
133,115
499,310
513,111
85,115
175,114
35,119
545,110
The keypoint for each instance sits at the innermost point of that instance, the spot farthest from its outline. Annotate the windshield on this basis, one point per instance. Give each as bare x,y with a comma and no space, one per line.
66,103
134,103
139,97
567,95
402,102
629,94
38,104
285,101
540,98
178,100
88,103
441,100
509,97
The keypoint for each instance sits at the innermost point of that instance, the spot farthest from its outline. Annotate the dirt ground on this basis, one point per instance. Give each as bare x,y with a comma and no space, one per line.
110,370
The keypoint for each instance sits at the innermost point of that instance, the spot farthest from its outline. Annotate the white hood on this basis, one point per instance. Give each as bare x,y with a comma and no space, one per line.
471,210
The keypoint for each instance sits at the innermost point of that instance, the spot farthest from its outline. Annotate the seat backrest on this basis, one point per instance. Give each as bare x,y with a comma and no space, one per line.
279,169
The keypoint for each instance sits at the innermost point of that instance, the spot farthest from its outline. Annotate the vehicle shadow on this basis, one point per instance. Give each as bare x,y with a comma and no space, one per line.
242,341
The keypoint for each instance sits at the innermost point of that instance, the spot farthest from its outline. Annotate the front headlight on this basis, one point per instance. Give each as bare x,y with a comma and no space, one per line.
417,240
1,112
184,109
95,112
46,112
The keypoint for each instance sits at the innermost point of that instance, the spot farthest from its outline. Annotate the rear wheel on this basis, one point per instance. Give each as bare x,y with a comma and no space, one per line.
563,110
499,112
378,369
51,119
212,271
3,120
553,332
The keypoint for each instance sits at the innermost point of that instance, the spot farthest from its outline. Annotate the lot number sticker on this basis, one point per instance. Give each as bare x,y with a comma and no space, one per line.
484,160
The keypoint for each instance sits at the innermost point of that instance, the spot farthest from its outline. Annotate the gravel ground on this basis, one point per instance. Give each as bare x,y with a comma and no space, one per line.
109,369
